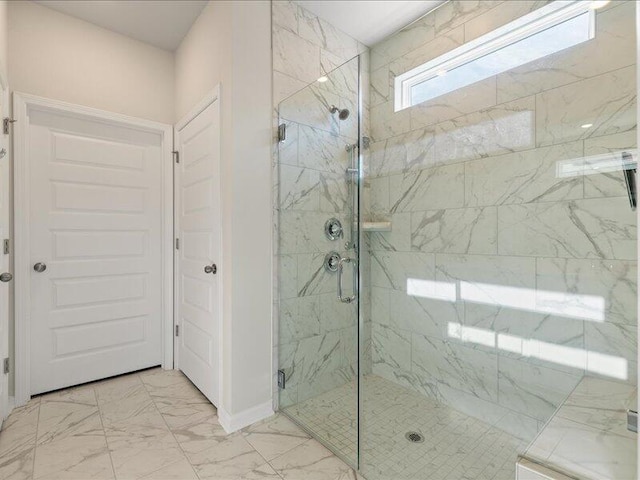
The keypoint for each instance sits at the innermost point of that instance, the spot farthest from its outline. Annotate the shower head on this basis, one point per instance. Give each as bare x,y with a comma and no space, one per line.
343,114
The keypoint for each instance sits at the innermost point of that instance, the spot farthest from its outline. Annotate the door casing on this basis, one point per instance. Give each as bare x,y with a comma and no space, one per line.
21,103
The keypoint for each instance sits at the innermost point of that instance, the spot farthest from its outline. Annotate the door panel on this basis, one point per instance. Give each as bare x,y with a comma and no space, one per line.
198,223
96,222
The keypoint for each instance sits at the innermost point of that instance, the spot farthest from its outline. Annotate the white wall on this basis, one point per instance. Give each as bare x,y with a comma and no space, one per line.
3,39
61,57
230,44
203,59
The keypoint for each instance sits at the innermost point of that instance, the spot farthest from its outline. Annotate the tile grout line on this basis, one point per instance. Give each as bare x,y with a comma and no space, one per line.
144,385
104,431
35,441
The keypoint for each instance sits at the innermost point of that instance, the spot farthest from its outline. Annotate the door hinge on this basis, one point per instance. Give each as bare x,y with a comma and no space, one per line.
282,379
176,156
6,366
282,132
177,330
5,246
6,123
177,244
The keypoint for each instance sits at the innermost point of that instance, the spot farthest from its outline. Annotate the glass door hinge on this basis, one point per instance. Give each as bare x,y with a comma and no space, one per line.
176,156
282,380
177,330
6,366
5,246
282,132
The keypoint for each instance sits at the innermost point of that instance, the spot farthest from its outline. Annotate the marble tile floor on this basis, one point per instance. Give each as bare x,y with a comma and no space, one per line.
155,425
455,447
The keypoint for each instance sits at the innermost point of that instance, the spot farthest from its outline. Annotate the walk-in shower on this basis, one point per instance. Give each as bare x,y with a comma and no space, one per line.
457,254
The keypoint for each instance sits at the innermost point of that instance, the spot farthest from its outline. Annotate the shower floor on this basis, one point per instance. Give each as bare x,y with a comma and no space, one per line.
455,446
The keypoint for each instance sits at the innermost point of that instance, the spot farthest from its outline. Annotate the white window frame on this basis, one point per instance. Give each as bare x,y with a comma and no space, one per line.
525,26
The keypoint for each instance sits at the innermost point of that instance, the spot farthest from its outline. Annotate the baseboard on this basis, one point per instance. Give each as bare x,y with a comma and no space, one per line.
234,422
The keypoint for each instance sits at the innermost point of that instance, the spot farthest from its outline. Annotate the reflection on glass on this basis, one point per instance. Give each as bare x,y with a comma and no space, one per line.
593,362
563,304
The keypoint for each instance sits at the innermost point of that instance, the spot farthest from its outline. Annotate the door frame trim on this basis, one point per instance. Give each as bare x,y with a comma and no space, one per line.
21,177
211,97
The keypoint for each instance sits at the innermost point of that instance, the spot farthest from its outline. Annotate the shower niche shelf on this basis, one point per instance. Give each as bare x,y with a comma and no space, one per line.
376,226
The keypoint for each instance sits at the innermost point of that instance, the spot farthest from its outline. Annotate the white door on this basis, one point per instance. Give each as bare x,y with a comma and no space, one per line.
95,247
198,220
6,275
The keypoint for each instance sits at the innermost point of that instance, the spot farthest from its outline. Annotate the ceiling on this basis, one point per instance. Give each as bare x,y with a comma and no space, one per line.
370,21
162,23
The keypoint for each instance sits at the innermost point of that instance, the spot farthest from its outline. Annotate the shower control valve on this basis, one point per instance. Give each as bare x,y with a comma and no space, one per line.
333,229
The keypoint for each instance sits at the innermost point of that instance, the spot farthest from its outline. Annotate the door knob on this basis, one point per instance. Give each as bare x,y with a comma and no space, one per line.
40,267
6,277
213,269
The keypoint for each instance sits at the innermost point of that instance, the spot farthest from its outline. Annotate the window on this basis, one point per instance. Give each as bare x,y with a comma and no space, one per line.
550,29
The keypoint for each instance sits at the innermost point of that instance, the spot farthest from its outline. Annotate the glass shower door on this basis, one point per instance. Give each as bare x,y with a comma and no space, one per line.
317,261
504,295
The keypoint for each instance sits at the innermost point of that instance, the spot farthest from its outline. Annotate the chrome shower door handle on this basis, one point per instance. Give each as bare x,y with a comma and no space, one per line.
341,263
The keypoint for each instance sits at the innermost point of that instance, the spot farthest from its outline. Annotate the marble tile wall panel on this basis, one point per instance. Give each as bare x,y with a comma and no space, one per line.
460,230
609,285
466,369
439,187
506,128
590,228
561,112
523,177
288,48
531,389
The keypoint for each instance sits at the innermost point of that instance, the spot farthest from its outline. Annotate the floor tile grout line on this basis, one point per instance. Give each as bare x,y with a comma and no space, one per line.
144,385
35,442
244,432
104,431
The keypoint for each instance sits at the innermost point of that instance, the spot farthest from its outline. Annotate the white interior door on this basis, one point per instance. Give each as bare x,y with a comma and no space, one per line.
6,275
94,188
198,220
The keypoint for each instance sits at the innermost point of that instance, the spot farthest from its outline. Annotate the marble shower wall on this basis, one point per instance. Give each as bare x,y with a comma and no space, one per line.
502,284
316,336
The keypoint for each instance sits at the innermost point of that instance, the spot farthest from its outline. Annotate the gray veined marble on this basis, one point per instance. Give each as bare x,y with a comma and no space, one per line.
532,389
522,177
427,189
325,35
561,112
466,369
601,290
505,128
463,230
299,188
593,228
321,150
287,48
311,107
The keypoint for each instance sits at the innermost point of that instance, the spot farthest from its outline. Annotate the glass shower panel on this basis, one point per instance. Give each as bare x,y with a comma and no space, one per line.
505,289
318,199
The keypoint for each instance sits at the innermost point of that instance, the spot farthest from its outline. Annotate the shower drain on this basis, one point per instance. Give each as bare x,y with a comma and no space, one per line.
414,437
